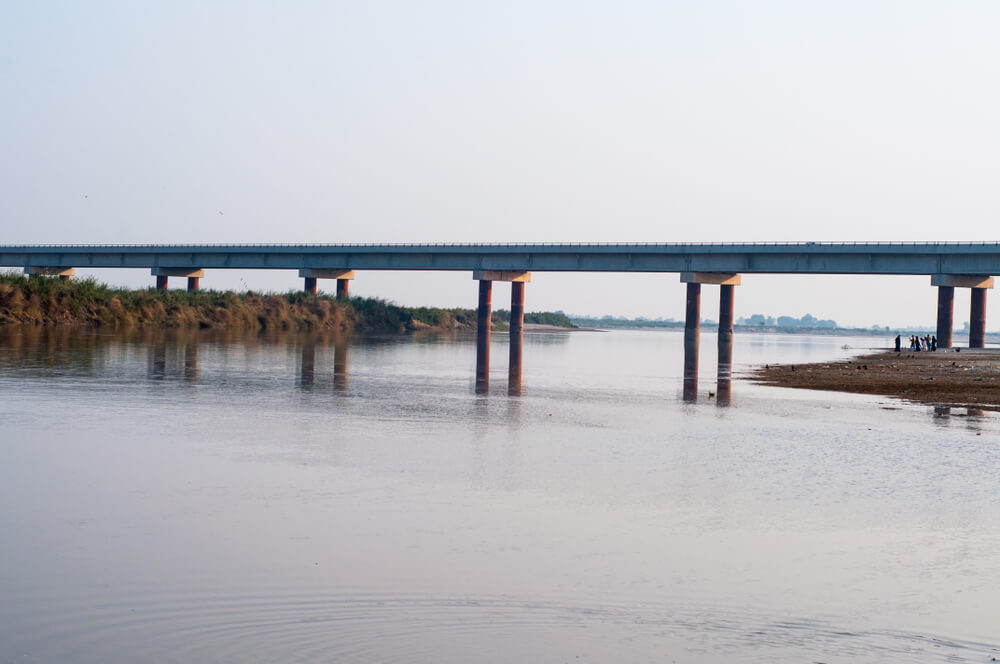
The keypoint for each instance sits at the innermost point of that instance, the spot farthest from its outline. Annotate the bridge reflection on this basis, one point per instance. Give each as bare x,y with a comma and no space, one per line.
307,366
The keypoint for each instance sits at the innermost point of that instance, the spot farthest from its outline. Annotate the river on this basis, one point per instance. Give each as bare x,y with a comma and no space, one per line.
204,497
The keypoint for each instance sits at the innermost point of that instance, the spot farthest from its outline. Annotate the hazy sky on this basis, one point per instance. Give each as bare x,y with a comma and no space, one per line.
511,121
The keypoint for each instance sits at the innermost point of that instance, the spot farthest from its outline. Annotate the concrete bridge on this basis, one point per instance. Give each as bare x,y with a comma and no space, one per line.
949,265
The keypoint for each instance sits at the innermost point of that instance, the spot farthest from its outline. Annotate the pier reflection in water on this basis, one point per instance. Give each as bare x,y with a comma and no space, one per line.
338,344
972,417
172,353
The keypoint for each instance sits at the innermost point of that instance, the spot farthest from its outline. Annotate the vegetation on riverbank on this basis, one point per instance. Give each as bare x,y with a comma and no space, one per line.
40,300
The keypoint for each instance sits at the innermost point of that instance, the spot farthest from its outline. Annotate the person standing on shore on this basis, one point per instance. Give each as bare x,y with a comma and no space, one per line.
897,343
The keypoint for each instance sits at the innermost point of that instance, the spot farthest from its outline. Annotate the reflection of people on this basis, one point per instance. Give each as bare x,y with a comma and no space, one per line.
897,343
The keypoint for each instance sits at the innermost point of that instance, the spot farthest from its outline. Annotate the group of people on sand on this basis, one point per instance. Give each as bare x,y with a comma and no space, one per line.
926,342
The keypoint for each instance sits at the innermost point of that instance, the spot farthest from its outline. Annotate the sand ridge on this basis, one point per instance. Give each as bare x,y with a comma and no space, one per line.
946,377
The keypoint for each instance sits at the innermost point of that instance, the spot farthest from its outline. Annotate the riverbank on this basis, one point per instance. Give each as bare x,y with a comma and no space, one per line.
48,301
954,378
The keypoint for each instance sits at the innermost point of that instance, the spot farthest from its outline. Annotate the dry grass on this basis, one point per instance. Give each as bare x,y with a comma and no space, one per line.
48,301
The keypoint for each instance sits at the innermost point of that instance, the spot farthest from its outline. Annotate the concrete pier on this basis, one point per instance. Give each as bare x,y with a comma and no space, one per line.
726,320
162,275
692,334
945,315
483,336
516,337
311,275
726,281
486,278
947,283
977,319
724,378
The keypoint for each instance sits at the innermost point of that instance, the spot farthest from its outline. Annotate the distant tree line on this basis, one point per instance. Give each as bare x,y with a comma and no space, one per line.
760,320
554,318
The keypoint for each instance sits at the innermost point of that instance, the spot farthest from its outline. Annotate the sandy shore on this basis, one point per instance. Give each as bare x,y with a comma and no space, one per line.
965,378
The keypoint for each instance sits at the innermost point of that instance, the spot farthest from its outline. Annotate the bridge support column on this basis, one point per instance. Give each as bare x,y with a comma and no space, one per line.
692,333
64,273
724,384
946,284
311,275
977,319
516,337
163,273
483,336
517,280
945,315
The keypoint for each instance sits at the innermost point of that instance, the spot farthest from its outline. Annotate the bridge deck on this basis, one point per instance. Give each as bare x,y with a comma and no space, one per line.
746,258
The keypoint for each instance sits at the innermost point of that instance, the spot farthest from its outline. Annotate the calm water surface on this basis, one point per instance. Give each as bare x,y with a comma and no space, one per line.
200,498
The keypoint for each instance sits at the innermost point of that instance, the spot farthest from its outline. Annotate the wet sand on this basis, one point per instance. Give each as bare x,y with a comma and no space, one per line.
944,377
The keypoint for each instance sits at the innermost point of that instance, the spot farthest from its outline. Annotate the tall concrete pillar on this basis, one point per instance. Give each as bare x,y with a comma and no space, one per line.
193,284
946,284
483,336
162,281
343,287
692,334
977,319
516,337
726,292
310,285
945,315
724,384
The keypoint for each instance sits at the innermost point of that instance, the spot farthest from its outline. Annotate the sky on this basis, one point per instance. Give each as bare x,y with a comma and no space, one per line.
626,121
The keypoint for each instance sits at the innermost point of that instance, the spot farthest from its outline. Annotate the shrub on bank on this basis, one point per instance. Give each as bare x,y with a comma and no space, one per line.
42,300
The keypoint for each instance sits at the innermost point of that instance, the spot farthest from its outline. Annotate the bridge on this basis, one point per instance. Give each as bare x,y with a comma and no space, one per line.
948,264
749,258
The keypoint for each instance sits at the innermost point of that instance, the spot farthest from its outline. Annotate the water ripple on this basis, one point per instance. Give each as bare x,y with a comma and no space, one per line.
373,627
